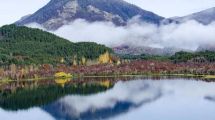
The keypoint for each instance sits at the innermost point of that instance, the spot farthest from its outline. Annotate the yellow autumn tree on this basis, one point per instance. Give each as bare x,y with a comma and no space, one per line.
13,68
74,60
105,58
62,75
118,62
83,61
1,72
62,60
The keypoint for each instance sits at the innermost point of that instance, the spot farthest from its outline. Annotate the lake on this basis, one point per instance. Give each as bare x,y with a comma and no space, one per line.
108,99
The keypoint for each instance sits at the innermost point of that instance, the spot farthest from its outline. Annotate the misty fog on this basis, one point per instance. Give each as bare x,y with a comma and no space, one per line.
188,35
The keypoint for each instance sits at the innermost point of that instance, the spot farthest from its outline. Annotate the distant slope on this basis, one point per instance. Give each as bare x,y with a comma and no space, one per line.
210,47
132,50
60,12
205,17
22,45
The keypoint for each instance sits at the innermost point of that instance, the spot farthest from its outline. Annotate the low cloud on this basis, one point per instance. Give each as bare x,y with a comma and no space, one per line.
134,92
189,35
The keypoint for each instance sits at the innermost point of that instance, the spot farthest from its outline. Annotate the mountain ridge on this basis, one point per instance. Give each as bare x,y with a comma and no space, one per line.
204,17
60,12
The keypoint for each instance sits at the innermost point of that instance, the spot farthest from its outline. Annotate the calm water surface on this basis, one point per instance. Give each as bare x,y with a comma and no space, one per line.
138,99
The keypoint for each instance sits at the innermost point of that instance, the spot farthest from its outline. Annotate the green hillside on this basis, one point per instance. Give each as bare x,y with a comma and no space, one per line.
23,45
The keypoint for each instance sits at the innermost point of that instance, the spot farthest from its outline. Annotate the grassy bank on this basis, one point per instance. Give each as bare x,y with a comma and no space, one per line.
115,76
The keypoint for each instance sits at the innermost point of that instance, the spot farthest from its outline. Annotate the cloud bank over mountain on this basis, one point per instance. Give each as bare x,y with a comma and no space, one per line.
189,35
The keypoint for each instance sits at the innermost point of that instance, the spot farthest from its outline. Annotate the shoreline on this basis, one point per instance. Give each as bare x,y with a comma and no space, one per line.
209,77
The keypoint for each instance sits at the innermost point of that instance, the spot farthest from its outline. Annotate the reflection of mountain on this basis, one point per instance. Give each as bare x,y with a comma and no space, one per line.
120,99
62,111
211,98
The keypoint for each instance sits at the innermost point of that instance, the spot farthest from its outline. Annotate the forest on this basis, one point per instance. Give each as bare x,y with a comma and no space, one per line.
178,57
24,46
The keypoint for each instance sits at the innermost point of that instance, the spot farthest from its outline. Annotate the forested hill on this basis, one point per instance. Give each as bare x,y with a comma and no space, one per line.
22,45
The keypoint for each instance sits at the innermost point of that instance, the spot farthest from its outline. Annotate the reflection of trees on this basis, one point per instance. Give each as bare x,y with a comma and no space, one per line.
42,95
62,81
13,86
105,83
26,94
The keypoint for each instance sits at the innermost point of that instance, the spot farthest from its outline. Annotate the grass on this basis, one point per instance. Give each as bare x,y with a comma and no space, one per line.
143,75
209,77
186,75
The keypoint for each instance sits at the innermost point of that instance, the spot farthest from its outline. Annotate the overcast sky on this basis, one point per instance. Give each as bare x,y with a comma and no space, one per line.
13,10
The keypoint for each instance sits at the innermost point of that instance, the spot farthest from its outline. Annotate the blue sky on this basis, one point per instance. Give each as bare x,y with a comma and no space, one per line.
13,10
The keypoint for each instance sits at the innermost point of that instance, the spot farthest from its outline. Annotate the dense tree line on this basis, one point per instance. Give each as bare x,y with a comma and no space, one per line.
143,57
22,45
202,56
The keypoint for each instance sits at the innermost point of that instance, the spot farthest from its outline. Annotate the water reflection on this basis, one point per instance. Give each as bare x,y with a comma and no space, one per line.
211,98
181,100
62,81
122,97
93,99
31,114
24,95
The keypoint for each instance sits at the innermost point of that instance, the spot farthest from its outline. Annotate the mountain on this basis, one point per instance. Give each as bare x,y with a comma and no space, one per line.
22,45
205,17
60,12
133,50
205,47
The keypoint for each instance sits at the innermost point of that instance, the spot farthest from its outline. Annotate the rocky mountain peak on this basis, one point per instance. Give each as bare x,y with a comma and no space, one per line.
204,17
61,12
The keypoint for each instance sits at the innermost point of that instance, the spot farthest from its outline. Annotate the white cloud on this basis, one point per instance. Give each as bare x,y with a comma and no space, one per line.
188,35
